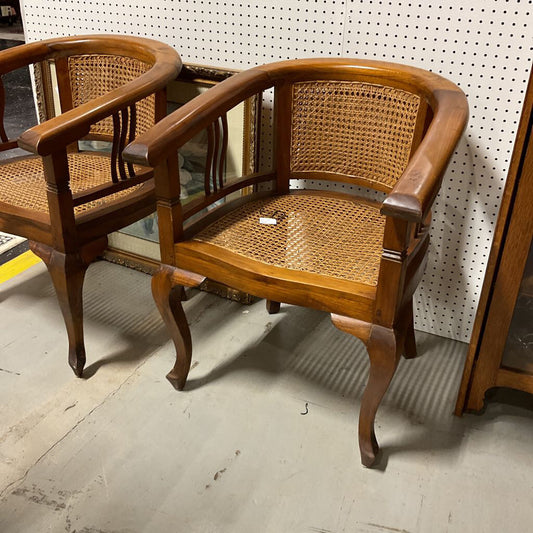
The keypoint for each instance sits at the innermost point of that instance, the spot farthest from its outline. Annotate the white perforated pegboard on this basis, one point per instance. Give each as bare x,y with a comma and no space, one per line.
482,45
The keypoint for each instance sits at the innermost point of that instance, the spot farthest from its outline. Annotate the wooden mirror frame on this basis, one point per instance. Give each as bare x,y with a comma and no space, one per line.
204,76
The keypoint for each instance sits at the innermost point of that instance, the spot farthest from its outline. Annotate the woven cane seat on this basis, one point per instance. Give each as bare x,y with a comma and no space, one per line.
334,237
22,182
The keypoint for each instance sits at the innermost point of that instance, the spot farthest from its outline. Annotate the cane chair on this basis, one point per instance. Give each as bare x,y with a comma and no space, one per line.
67,200
381,126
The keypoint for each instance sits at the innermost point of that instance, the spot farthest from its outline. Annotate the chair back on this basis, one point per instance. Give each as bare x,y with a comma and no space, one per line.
388,127
64,83
352,121
352,130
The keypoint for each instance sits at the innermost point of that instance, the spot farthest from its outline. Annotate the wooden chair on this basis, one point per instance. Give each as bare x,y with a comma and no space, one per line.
382,126
66,200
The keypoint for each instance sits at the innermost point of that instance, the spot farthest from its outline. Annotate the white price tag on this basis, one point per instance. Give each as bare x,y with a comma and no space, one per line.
267,220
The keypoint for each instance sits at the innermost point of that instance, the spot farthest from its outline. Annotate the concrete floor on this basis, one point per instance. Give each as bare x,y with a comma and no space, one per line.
15,32
121,451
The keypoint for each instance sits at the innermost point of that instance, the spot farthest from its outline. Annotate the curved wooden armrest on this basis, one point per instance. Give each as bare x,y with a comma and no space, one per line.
414,193
62,130
26,54
184,123
22,56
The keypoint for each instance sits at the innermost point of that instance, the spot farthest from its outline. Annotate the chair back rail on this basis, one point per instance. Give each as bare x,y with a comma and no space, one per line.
44,88
82,78
124,125
77,123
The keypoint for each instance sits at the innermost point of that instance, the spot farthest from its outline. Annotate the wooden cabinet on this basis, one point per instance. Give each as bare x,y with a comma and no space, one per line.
501,349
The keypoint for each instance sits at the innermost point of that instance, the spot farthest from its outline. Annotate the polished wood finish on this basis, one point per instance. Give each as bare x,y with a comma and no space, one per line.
168,297
380,313
65,231
512,240
68,272
383,348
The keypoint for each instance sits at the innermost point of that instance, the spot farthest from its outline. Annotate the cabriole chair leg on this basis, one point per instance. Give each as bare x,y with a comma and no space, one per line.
68,273
384,352
168,299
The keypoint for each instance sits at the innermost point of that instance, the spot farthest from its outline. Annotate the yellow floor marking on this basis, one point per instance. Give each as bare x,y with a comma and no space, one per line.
17,265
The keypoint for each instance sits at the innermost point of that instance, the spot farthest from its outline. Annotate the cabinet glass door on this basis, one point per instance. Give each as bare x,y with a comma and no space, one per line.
518,351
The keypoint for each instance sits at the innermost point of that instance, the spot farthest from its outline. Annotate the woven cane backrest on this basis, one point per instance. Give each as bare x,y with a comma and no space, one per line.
353,129
95,75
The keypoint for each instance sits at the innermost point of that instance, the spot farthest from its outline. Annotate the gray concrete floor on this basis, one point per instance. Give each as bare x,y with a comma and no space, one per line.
14,32
121,451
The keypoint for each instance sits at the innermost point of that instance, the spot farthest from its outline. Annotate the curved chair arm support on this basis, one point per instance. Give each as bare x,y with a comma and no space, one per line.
414,193
180,126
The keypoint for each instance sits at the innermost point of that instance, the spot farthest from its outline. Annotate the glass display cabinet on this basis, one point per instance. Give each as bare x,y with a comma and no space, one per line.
501,349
